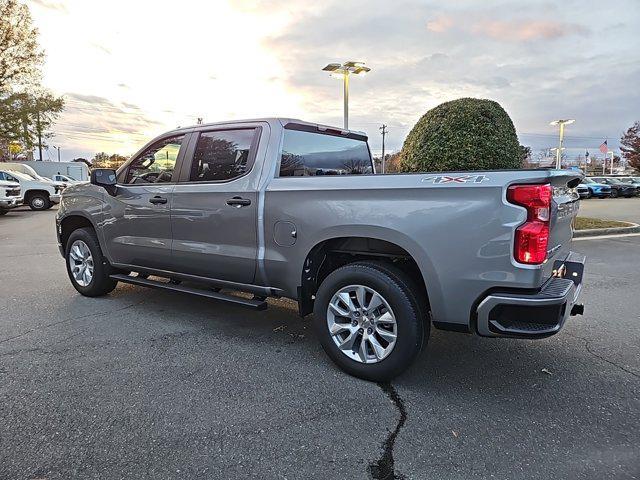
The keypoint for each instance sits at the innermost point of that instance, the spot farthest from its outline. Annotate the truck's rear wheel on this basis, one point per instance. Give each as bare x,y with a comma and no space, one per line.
87,268
369,320
39,201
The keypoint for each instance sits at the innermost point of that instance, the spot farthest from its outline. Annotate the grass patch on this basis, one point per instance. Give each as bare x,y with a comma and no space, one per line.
585,223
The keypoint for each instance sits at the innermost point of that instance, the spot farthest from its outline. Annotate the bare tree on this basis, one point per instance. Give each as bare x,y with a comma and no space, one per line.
20,56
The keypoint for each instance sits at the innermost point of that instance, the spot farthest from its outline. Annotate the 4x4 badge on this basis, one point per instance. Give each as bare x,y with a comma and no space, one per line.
436,180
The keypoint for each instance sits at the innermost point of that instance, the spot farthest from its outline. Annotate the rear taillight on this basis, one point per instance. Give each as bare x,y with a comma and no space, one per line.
532,236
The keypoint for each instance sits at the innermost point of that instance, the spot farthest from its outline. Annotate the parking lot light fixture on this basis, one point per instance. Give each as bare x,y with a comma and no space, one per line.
561,123
344,71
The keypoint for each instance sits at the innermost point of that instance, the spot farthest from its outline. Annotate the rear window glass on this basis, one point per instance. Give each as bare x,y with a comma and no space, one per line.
307,154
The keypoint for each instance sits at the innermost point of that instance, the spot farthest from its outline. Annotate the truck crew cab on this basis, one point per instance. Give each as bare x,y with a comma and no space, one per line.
286,208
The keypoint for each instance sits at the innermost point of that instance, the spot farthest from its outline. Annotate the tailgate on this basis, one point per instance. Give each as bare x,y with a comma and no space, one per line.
564,208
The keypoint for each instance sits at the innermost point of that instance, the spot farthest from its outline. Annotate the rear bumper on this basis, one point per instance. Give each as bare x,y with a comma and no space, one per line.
538,314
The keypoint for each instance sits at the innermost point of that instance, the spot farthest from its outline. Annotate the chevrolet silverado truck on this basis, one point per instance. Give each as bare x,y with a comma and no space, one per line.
241,211
9,196
39,193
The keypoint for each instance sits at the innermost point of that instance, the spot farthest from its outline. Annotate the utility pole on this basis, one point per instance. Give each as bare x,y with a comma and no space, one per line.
39,133
199,120
57,148
384,131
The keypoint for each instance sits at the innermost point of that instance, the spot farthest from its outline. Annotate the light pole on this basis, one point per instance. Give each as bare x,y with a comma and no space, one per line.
611,171
556,149
561,124
57,148
345,70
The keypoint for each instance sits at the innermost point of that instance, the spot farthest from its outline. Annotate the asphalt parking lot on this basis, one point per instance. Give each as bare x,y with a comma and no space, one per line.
623,209
150,384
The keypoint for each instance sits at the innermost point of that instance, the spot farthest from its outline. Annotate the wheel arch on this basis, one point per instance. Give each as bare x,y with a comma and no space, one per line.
34,191
71,223
333,252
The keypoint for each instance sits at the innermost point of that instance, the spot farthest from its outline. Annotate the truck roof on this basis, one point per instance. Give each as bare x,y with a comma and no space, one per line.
281,120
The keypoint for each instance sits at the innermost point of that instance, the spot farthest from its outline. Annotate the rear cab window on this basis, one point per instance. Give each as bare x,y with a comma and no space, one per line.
308,151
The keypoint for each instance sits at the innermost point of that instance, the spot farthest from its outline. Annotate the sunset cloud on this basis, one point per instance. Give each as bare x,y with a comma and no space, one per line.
255,58
526,30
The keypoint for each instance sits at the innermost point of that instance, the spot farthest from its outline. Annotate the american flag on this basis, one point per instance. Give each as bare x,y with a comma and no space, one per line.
604,148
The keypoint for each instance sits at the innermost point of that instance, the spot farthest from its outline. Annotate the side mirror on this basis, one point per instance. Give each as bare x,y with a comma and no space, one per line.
103,177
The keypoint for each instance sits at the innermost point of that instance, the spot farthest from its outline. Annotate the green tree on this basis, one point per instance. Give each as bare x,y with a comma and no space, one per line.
27,110
630,145
464,134
20,57
27,118
104,160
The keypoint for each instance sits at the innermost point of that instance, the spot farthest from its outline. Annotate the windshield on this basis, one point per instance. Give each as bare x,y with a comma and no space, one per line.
588,180
21,176
614,180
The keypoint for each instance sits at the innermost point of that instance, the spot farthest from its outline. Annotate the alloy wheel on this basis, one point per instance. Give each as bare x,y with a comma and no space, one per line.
362,324
81,263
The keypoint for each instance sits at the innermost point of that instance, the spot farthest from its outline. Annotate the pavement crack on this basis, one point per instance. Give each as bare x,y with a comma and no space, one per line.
384,467
587,346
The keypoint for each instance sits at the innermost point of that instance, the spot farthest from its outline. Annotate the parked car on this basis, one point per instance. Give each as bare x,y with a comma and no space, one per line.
39,194
10,196
618,188
285,208
588,188
66,180
631,180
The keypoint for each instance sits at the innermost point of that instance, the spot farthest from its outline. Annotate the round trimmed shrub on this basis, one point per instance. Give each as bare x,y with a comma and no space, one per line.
464,134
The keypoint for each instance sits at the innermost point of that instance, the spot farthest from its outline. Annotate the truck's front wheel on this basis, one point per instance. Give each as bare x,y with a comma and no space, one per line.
369,320
87,268
39,201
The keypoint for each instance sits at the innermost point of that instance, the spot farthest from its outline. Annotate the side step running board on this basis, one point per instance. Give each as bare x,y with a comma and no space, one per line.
145,282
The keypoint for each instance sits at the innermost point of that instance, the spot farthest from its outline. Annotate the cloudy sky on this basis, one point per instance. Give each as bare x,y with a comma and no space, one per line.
130,70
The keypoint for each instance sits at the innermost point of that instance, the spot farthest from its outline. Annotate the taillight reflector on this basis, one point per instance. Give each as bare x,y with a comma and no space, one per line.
532,237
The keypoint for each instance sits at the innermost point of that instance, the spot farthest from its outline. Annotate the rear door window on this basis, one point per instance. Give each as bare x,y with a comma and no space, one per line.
222,155
306,154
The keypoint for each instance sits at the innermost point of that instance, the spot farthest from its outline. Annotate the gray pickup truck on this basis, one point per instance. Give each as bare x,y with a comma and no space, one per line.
241,211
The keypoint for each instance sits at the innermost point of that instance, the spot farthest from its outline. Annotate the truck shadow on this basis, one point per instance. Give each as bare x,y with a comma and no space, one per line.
449,362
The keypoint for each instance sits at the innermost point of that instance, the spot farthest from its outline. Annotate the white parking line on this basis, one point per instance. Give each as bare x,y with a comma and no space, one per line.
617,235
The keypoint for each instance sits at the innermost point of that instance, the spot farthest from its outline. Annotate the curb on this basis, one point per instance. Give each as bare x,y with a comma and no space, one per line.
595,232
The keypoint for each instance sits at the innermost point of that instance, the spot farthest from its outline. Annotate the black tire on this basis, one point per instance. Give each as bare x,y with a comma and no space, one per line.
589,193
39,201
615,193
3,212
404,299
100,283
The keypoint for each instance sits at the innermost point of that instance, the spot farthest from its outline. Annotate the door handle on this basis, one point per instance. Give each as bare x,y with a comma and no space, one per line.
157,200
238,202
